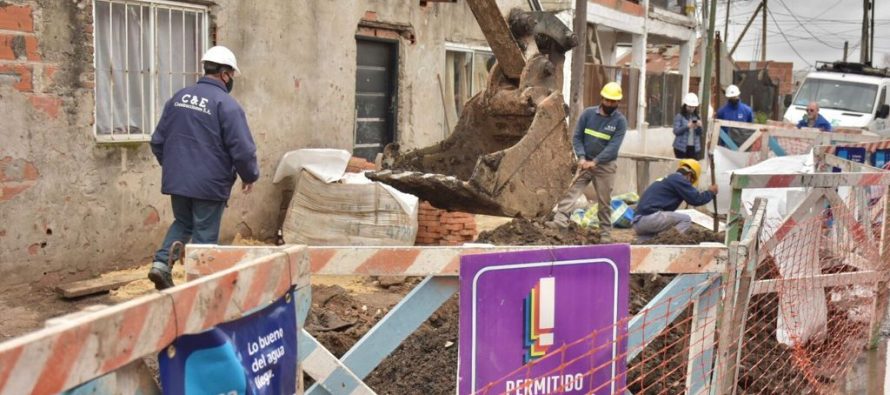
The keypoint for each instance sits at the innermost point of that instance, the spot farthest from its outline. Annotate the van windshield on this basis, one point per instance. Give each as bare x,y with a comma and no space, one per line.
838,95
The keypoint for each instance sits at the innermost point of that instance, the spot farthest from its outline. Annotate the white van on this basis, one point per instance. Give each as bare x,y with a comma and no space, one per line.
850,95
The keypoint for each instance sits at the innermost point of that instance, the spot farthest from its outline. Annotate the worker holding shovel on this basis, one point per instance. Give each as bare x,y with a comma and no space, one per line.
596,141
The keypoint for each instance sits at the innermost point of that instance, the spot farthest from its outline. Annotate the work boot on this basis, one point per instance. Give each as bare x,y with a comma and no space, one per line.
605,238
160,275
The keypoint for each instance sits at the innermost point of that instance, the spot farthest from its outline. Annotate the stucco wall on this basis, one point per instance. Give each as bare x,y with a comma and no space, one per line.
70,207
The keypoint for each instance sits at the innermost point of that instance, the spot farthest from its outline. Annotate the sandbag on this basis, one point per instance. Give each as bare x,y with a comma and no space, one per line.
347,214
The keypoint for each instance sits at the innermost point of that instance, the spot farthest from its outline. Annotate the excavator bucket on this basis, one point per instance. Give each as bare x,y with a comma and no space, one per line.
510,152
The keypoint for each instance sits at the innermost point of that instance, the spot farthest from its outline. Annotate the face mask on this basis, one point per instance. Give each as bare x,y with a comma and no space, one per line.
608,109
230,84
734,101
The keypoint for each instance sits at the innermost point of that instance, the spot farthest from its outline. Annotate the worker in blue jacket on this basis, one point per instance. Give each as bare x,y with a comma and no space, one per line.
813,119
598,136
655,211
203,143
735,110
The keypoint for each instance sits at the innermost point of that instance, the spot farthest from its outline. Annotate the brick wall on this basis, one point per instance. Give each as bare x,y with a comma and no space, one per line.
21,63
441,227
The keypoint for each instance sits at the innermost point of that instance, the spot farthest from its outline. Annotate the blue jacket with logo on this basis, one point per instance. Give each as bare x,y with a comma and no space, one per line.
821,123
681,131
667,193
739,112
598,137
202,142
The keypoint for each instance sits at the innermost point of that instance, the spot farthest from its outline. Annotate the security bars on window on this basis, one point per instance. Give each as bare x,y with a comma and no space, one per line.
146,50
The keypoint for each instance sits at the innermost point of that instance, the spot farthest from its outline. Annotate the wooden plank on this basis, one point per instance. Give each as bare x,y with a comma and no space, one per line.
646,157
810,180
97,285
334,377
750,141
499,37
445,261
883,293
63,356
642,176
824,280
663,309
849,165
701,340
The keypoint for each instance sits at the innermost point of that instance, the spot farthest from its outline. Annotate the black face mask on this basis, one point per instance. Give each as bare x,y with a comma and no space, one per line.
608,110
230,84
734,101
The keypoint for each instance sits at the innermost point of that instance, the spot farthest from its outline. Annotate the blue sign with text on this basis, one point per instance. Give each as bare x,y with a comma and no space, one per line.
254,355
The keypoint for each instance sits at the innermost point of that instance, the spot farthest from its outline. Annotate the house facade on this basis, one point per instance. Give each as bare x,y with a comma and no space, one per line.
82,84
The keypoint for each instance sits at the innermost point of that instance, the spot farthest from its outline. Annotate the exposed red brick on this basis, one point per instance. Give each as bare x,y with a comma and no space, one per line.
16,17
152,218
33,249
11,190
48,104
22,74
370,15
2,232
30,173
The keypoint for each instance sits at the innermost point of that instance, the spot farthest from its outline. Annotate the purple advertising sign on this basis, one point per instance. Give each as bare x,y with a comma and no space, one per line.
544,321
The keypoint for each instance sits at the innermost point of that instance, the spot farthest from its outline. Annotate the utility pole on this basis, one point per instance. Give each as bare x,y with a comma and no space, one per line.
705,104
871,40
863,46
846,47
719,62
726,24
579,57
745,30
763,37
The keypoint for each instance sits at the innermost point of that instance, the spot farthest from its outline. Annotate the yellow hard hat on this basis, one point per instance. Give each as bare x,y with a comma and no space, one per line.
612,91
693,165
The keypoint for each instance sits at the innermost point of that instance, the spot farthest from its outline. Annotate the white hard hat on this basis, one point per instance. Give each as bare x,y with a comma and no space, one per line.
733,91
221,55
691,100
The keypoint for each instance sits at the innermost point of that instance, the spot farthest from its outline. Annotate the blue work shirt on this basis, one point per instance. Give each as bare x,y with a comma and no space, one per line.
202,142
667,193
681,131
598,137
821,123
739,112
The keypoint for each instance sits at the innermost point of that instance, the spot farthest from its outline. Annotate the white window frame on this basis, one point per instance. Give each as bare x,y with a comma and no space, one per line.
153,113
473,51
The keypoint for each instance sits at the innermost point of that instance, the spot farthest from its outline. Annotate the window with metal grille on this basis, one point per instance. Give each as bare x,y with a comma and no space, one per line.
146,50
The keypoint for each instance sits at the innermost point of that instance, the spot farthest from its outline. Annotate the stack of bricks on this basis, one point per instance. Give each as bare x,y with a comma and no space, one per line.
357,165
441,227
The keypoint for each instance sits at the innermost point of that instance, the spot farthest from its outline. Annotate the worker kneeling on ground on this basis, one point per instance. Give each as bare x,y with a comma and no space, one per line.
655,212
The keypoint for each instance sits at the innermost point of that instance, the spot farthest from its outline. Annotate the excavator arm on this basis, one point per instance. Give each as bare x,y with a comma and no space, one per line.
510,152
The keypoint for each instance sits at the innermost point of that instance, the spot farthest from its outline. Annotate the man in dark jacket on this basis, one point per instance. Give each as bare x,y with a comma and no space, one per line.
655,211
596,141
202,142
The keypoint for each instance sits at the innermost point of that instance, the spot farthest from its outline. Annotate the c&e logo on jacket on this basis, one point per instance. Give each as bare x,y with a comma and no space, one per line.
193,102
540,312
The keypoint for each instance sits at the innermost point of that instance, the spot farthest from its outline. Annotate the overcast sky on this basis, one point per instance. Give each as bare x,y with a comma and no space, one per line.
817,33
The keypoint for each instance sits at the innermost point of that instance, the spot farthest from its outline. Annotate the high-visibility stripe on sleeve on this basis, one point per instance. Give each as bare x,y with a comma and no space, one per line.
598,135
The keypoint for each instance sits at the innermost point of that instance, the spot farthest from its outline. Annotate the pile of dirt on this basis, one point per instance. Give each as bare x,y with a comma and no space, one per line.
694,235
426,362
521,231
